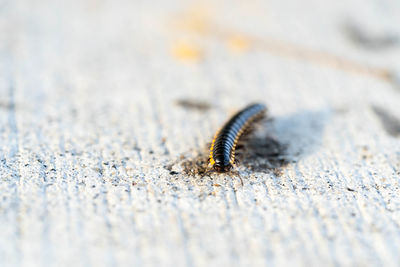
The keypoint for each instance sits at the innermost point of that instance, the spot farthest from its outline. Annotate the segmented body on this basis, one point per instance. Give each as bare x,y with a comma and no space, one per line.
222,151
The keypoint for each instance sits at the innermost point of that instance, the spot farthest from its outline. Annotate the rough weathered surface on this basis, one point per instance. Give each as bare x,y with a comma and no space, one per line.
106,108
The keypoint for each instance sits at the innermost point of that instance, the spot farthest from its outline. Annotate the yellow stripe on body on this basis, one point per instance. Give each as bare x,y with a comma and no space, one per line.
212,161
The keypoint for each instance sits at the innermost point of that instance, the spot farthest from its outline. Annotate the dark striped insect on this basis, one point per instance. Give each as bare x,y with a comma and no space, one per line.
222,151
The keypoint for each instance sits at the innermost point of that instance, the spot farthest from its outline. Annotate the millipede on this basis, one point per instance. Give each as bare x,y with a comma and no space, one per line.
222,150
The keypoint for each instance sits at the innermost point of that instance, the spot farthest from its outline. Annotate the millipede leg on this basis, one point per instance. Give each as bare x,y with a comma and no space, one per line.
237,174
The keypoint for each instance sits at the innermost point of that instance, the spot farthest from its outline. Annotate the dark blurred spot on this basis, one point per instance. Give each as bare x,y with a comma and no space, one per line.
394,78
193,104
390,123
342,110
369,40
4,105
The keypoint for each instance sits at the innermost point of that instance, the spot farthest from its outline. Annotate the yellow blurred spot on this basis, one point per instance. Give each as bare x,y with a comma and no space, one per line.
239,44
196,24
187,52
196,20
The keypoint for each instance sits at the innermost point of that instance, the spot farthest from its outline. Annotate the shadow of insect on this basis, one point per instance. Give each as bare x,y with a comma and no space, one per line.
268,148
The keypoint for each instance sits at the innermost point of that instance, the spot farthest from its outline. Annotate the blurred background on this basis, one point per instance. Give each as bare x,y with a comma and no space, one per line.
101,101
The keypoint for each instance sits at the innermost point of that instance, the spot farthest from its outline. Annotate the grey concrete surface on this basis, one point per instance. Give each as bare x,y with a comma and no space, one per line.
107,107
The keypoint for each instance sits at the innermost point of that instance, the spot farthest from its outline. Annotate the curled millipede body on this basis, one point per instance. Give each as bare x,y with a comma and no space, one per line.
222,151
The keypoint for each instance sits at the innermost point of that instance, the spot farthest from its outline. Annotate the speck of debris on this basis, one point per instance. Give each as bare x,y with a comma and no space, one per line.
175,188
278,172
168,167
99,170
350,189
151,152
192,104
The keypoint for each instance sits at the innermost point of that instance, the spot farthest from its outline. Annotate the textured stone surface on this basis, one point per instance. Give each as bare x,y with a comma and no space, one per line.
106,108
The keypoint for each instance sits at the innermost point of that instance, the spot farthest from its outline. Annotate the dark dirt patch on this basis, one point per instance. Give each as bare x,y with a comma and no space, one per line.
258,154
196,166
263,154
278,143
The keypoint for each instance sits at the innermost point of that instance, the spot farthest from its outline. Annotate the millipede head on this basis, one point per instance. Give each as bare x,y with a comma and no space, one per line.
220,166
